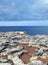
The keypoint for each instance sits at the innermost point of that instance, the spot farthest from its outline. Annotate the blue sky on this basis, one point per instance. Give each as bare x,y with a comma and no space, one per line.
24,23
24,10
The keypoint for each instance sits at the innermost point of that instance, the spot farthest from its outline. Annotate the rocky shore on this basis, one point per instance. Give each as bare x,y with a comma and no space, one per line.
19,48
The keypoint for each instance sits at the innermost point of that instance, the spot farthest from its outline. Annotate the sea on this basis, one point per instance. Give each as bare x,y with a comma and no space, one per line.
31,30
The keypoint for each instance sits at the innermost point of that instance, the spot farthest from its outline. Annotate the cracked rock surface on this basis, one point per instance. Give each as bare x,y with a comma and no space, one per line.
19,48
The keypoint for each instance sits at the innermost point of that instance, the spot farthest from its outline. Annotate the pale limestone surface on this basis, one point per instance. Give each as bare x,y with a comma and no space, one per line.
5,64
9,47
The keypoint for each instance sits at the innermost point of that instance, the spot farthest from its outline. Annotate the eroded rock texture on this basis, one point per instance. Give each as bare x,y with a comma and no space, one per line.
19,48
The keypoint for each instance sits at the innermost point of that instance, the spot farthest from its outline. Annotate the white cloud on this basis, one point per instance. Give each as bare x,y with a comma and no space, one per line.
8,9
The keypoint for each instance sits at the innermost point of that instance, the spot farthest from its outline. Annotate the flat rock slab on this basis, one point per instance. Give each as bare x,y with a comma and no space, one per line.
25,58
30,50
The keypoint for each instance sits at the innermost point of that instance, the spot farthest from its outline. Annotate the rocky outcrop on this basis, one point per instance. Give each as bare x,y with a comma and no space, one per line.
19,48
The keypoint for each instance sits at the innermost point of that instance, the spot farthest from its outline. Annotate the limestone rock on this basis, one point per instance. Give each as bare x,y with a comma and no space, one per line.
37,62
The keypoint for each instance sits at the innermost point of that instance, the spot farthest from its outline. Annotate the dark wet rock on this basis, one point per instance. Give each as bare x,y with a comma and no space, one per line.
10,61
2,48
5,44
20,53
43,45
16,38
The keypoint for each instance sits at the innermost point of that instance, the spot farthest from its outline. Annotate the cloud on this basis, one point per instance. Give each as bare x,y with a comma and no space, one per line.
17,10
7,9
38,10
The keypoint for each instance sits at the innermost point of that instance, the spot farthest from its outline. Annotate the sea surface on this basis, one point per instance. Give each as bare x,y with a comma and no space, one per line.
31,30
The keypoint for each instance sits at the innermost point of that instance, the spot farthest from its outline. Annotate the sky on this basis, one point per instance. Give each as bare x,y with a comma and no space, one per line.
24,23
24,10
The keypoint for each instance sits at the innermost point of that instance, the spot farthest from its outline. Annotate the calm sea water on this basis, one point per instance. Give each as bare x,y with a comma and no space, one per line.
32,30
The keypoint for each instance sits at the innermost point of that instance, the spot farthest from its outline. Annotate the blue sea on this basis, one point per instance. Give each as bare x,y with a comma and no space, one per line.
31,30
